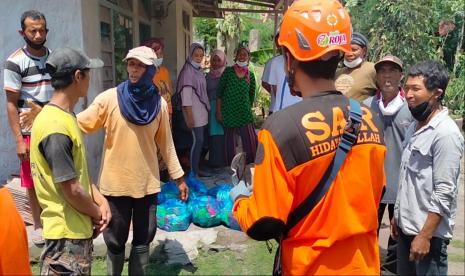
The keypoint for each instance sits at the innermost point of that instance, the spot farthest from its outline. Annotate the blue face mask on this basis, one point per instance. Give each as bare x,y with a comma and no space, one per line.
158,62
242,63
195,64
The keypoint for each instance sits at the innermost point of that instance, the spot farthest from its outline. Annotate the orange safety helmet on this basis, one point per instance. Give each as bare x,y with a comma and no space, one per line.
312,28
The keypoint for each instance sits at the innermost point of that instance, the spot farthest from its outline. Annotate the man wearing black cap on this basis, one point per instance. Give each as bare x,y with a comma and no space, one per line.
73,209
390,105
357,79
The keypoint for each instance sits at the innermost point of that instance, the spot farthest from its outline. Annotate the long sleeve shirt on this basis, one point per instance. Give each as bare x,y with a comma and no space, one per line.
129,163
429,172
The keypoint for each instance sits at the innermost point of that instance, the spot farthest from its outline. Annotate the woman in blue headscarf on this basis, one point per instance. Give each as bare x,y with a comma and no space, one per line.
191,89
136,122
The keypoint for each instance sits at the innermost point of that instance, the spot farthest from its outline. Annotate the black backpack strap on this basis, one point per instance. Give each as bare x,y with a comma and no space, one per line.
348,138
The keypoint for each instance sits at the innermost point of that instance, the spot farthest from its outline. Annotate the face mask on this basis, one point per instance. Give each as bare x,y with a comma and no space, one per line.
354,63
33,45
421,111
195,64
158,62
242,63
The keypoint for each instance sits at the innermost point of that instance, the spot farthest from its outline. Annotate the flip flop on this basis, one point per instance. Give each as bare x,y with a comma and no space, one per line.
37,238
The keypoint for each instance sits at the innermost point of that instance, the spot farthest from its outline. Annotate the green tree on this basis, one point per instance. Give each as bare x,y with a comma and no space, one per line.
229,30
205,29
399,27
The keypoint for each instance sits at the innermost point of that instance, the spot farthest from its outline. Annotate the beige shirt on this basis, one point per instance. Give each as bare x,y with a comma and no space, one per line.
358,83
129,163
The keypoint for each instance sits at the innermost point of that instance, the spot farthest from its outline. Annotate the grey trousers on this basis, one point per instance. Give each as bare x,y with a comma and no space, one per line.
435,263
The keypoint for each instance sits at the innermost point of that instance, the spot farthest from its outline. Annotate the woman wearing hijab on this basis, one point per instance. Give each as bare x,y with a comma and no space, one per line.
162,77
216,145
165,87
136,123
192,89
236,93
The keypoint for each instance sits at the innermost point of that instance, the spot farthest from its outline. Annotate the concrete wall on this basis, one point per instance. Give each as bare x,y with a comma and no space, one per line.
91,45
76,23
66,24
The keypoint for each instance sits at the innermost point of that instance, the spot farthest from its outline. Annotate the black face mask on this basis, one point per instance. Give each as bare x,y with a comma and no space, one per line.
33,45
421,111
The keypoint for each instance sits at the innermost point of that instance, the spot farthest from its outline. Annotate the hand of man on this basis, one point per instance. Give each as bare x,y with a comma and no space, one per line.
106,214
183,189
394,233
240,190
22,150
26,118
105,217
419,248
190,123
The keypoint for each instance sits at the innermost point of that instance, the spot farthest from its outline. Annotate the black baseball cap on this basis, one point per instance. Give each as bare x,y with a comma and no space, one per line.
65,61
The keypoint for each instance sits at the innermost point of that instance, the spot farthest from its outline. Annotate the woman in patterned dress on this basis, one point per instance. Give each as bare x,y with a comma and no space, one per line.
236,94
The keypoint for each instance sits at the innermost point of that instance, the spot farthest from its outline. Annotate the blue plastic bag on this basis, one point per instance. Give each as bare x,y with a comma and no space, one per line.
173,215
169,190
227,217
221,193
205,211
195,185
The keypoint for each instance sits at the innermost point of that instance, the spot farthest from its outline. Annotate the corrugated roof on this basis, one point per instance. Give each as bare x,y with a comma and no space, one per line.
212,8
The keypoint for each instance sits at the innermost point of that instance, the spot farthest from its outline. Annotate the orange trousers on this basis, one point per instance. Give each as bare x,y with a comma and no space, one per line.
14,254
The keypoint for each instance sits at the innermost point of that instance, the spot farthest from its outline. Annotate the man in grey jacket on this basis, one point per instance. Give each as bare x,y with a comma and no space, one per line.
390,105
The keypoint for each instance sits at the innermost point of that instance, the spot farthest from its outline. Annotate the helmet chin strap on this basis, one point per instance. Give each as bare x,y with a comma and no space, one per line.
291,82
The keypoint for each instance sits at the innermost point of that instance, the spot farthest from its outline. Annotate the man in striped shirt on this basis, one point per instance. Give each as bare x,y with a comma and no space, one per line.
27,87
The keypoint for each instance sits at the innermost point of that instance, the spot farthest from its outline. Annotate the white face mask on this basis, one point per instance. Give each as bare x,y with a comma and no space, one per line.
195,64
392,107
158,62
242,63
354,63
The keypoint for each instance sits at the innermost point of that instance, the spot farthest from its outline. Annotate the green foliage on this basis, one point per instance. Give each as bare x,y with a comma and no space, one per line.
407,28
205,29
266,29
455,92
402,28
261,56
410,30
230,26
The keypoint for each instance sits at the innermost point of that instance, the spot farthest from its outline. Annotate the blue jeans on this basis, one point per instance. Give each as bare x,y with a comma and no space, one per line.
435,263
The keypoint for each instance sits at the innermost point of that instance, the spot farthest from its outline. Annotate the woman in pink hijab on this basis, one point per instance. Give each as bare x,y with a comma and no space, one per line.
216,132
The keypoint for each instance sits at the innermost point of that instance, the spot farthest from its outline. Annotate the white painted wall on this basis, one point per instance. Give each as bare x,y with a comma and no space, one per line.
66,21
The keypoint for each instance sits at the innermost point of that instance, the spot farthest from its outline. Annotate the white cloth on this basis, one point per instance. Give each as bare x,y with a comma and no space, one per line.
266,78
393,106
278,78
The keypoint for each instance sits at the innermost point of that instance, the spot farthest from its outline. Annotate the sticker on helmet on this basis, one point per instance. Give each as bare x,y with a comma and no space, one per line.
331,20
329,39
